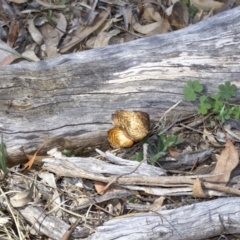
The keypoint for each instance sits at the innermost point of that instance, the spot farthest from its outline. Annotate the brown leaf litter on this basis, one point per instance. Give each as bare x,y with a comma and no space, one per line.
39,30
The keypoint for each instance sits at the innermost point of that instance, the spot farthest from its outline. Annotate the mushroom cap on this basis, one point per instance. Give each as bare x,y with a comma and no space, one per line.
135,124
118,139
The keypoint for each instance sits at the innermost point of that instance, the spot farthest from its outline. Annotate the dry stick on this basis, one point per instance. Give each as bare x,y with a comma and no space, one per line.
194,165
190,128
68,233
104,210
145,146
76,214
177,121
193,124
72,170
164,115
232,134
93,7
29,164
221,188
123,29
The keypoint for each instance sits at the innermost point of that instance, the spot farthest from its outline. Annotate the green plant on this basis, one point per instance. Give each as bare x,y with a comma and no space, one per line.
192,10
158,148
131,199
217,103
3,164
68,153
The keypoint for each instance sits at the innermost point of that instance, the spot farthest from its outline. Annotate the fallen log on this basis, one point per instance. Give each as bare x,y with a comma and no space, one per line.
196,221
73,96
49,225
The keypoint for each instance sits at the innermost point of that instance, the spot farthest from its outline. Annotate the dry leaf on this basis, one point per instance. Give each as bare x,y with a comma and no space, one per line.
31,55
22,198
227,161
127,15
9,59
107,25
206,5
37,160
36,35
163,28
52,34
51,6
103,38
157,204
49,179
99,186
29,164
151,13
197,189
179,17
208,136
18,1
82,34
226,6
145,29
173,152
115,2
51,39
114,207
90,42
13,32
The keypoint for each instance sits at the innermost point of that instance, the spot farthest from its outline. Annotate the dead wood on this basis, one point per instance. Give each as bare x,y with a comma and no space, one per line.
49,225
197,221
106,197
132,175
73,96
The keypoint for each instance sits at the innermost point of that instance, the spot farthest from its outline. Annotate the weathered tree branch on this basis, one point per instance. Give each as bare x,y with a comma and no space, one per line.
49,225
73,96
197,221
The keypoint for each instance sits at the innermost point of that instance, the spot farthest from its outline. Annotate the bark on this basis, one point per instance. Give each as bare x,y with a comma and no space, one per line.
49,225
135,176
197,221
73,96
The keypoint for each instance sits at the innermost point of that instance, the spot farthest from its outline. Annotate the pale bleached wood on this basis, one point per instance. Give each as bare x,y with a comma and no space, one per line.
49,225
133,176
103,168
197,221
74,95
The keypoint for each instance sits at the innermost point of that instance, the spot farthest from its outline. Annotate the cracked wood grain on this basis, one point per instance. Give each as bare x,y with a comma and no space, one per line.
73,96
196,221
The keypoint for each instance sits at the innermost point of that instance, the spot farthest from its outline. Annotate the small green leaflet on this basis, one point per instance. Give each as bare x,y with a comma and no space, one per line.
227,90
191,89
